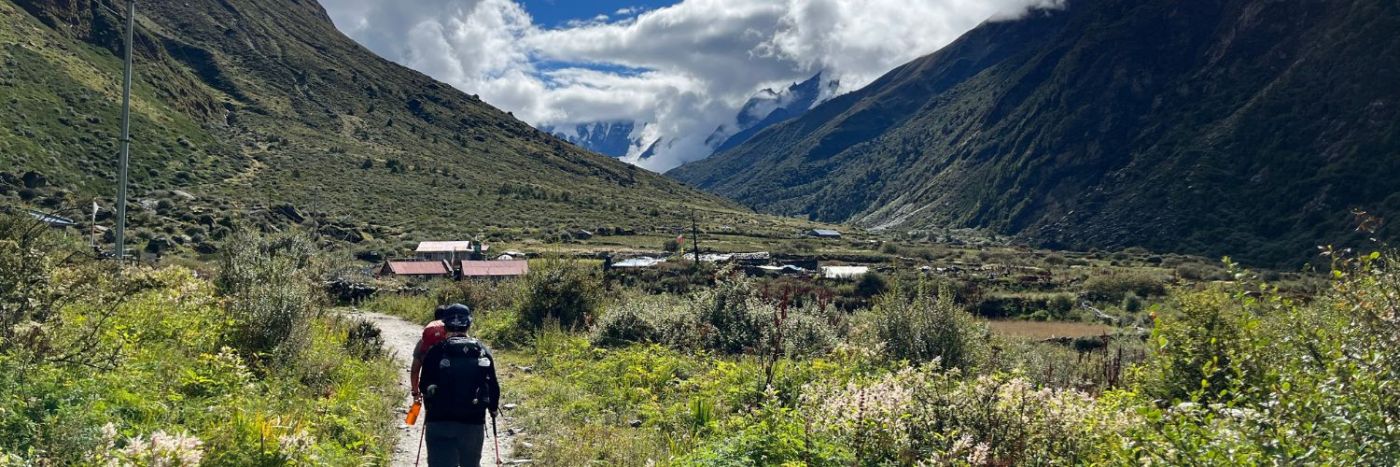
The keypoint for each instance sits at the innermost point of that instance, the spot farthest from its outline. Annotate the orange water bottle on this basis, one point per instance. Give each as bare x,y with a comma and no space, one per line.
413,413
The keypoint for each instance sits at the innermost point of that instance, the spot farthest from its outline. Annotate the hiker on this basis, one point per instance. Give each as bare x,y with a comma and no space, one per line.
458,386
433,333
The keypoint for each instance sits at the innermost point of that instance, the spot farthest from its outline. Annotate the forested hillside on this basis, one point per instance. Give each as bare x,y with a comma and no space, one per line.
1243,127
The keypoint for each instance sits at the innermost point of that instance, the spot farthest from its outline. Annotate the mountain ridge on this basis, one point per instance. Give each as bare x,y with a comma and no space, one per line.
1109,124
258,102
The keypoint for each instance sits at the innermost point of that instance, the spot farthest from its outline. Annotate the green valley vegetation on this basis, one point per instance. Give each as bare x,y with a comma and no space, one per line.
1213,128
262,109
754,371
135,366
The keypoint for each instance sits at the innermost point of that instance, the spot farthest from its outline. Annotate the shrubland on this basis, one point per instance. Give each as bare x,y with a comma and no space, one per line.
747,373
138,366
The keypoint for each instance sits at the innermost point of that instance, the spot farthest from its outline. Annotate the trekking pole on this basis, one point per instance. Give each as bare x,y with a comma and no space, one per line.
496,438
419,456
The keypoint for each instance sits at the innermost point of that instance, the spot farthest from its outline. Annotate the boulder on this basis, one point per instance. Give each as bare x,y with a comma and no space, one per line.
342,233
33,179
289,211
370,256
159,245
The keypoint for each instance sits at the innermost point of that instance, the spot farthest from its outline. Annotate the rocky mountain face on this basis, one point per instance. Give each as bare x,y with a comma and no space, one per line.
766,108
770,107
1253,128
263,103
612,139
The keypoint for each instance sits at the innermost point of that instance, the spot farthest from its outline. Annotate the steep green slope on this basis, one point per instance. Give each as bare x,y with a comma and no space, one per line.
251,104
1243,127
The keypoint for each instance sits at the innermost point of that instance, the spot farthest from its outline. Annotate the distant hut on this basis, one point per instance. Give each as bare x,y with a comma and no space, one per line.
844,272
494,269
416,269
824,233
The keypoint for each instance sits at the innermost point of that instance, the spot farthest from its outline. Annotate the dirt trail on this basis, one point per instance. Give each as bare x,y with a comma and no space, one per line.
399,338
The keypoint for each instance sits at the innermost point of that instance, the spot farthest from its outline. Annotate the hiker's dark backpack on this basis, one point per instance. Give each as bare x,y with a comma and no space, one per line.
459,368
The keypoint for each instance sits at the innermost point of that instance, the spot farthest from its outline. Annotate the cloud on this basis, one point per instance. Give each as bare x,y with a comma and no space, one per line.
681,70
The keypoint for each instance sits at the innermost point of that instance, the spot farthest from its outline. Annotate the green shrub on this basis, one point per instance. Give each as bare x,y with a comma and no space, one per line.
889,248
1132,303
732,319
1198,348
631,321
871,284
920,327
809,332
480,295
272,293
559,290
1061,304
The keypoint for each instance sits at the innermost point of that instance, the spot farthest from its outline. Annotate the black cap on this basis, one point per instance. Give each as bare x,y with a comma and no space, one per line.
457,317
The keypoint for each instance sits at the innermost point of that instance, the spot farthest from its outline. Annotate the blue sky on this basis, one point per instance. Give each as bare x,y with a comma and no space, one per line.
558,13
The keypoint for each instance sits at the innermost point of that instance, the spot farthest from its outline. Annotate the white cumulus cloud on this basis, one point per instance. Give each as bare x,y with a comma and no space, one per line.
681,71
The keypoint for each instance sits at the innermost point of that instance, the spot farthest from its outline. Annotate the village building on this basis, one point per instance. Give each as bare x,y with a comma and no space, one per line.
844,272
452,252
494,269
824,233
416,269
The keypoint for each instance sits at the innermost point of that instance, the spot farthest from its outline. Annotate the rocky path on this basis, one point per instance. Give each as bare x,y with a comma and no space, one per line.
399,338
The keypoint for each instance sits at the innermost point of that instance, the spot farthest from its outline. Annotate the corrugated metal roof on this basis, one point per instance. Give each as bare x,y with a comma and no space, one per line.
444,247
844,272
639,262
825,233
52,220
495,268
419,268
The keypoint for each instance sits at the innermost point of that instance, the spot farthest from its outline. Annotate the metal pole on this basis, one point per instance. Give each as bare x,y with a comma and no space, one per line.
126,135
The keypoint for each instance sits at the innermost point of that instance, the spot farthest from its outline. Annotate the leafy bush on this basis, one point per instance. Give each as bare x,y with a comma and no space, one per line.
729,317
272,293
870,285
920,327
559,290
1132,303
1199,349
631,321
480,295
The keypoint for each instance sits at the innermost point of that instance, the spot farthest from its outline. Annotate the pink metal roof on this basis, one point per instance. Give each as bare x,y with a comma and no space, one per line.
494,268
419,268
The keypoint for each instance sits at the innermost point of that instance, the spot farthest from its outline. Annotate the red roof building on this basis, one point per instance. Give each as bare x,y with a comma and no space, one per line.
495,269
416,269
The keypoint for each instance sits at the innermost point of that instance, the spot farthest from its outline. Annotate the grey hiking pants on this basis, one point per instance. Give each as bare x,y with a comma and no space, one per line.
452,444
